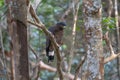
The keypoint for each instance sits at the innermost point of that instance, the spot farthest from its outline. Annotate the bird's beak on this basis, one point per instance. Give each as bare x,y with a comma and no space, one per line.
64,27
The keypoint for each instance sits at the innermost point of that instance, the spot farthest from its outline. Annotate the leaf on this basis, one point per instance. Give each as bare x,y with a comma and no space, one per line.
1,3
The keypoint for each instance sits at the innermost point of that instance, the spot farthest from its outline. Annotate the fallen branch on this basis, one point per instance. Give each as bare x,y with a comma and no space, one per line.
56,46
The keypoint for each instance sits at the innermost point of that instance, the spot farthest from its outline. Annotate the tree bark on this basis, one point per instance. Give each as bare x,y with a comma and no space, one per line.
92,23
19,38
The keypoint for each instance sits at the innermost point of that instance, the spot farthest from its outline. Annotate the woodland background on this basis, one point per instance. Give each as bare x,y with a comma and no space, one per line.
49,12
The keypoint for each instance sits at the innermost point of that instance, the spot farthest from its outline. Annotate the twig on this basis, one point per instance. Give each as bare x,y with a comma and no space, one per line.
78,68
56,46
64,16
33,52
36,69
107,40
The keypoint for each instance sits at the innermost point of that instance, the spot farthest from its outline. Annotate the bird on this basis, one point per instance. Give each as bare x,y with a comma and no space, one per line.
57,30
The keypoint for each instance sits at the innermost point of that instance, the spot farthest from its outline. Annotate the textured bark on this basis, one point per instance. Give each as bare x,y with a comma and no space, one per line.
93,34
19,38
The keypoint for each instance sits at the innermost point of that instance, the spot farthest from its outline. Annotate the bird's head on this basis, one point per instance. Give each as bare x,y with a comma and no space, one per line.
61,25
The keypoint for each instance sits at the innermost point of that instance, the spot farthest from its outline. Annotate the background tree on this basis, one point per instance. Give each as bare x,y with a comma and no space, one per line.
93,35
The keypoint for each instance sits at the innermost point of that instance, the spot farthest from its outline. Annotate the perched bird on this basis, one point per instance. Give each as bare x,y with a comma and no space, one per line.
57,30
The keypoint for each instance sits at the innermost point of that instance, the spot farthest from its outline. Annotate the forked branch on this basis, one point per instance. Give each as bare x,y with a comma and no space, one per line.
113,55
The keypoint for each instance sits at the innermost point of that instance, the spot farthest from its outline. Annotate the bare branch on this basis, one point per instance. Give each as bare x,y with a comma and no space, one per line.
33,14
78,68
36,69
107,40
64,16
113,55
33,52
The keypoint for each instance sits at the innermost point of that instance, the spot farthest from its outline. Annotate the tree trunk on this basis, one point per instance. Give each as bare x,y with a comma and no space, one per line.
92,23
19,38
110,8
117,38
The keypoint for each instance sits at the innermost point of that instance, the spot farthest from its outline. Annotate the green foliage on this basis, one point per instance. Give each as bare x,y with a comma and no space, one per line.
108,24
104,43
37,39
3,11
64,47
50,11
1,3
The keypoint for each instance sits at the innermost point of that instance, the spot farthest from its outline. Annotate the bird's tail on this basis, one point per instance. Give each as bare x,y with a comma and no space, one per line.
50,56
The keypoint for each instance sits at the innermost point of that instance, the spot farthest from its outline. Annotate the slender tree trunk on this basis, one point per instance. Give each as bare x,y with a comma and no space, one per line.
92,22
19,38
117,38
75,14
110,8
10,29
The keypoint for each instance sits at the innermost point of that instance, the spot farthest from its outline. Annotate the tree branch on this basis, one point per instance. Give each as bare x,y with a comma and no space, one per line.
113,55
107,40
64,16
33,14
78,68
33,52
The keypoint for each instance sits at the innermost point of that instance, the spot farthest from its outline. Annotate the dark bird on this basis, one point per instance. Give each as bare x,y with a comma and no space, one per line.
57,30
